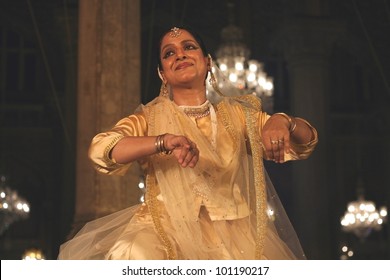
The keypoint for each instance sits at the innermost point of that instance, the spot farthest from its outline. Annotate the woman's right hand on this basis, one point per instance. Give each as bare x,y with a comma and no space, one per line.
185,151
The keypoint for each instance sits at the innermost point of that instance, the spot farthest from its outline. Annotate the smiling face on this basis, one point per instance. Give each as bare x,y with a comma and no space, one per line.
183,62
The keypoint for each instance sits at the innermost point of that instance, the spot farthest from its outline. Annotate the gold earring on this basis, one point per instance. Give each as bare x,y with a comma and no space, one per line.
213,81
164,90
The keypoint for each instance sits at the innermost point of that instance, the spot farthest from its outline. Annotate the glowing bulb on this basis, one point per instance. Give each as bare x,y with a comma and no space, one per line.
239,66
233,77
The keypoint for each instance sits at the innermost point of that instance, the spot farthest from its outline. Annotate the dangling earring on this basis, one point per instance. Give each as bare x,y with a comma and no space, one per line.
164,88
213,81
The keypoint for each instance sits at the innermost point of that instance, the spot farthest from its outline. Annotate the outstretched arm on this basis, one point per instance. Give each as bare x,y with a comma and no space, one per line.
131,148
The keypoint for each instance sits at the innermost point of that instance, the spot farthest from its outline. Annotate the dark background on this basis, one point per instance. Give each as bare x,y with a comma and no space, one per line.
38,70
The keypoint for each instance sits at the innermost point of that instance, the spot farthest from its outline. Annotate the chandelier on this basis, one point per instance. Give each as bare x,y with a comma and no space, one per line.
12,207
362,217
33,254
246,74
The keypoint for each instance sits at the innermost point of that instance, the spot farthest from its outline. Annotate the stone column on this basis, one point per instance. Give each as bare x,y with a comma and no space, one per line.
108,90
307,44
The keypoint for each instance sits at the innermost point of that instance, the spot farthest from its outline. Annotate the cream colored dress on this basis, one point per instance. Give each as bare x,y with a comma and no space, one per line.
218,210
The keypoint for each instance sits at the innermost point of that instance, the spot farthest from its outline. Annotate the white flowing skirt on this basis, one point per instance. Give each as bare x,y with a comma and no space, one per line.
129,234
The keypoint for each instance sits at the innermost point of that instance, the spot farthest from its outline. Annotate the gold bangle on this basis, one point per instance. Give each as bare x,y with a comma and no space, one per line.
157,144
291,121
160,147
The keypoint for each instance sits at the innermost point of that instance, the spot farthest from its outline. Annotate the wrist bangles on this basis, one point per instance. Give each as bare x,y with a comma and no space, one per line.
160,147
291,121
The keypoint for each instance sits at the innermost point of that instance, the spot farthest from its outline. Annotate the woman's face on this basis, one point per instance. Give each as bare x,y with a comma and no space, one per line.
182,59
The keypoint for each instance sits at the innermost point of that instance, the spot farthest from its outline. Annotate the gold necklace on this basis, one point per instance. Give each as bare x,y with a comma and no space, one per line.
197,112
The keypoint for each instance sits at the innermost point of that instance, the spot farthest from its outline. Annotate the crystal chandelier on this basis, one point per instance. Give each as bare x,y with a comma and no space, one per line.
362,217
12,207
246,74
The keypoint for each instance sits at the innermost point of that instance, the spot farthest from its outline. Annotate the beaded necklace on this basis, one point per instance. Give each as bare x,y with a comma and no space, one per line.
201,111
197,112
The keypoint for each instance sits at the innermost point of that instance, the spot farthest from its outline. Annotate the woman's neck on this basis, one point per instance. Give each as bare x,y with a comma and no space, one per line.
189,96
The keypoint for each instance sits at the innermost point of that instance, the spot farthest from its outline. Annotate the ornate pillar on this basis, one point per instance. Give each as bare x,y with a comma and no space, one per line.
307,44
108,90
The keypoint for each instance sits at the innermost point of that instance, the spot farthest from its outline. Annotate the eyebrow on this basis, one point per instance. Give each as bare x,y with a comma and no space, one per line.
182,43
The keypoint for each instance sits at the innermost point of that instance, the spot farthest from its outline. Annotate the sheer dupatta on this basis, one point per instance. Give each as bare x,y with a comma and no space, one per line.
180,192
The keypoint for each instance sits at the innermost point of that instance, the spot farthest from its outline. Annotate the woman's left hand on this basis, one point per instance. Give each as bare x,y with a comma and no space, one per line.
276,138
185,151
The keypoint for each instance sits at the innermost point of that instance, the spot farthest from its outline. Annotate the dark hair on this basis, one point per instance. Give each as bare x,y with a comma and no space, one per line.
189,30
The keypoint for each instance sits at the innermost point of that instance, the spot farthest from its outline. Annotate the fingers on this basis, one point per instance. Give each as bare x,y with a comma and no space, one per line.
276,139
186,152
277,150
276,147
189,155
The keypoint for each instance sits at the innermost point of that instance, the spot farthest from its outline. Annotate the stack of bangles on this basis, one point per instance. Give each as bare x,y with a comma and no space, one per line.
291,121
160,147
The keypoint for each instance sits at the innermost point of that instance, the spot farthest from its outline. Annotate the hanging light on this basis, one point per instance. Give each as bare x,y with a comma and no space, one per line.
362,217
246,74
12,207
33,254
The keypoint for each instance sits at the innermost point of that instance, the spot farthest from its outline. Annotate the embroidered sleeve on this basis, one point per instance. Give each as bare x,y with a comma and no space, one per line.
103,143
303,151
